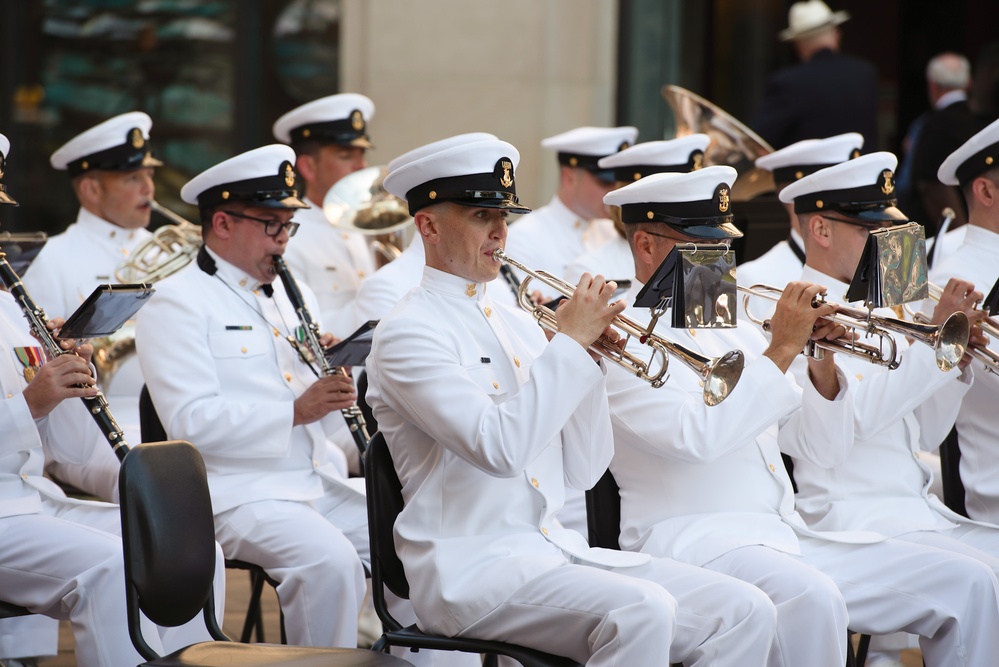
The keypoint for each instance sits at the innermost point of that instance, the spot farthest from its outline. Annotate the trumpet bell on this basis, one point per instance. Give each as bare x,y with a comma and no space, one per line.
952,341
722,376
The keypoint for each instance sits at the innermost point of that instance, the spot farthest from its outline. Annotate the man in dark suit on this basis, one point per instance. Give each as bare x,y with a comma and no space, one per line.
827,93
946,128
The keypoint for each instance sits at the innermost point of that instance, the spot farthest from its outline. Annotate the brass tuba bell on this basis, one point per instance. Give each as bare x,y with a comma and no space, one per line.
359,203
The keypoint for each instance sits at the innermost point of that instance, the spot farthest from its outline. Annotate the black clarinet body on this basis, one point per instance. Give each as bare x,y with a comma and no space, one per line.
314,353
97,405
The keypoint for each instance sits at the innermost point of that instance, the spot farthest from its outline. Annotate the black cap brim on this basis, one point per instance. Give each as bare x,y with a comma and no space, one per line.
505,204
725,230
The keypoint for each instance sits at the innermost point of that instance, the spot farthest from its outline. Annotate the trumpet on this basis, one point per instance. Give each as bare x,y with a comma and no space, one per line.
948,340
989,325
168,250
718,375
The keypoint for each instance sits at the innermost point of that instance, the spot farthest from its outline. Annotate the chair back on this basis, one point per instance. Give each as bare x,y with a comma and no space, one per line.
362,402
950,473
168,535
384,504
150,427
603,513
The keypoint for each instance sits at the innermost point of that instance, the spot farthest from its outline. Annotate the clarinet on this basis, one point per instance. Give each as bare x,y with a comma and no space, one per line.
97,405
312,351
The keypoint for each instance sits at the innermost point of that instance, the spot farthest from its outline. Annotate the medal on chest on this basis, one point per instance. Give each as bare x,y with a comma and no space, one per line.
31,359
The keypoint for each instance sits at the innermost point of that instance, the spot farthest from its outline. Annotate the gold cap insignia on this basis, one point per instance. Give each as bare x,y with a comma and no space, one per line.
85,165
854,153
723,200
624,144
357,120
289,175
507,179
650,215
136,138
819,203
637,175
888,186
433,194
225,194
698,160
306,133
573,161
989,160
798,174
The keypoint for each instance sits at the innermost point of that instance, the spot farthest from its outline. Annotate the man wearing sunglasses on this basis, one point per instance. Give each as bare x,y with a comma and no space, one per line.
214,347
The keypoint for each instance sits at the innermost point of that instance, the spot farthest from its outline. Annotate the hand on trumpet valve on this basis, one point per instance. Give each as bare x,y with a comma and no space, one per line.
978,340
958,295
798,316
588,312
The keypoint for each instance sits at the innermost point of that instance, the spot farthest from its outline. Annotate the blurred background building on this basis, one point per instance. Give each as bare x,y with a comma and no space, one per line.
214,74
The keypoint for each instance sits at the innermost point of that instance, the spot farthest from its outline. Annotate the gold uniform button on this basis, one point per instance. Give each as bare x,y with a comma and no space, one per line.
772,468
24,475
579,223
360,274
277,334
242,282
516,361
488,311
545,531
243,350
916,454
859,376
10,395
495,385
534,481
692,333
345,236
315,463
287,376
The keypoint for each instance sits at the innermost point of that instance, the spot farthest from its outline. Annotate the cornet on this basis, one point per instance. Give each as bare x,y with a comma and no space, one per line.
948,340
989,325
719,375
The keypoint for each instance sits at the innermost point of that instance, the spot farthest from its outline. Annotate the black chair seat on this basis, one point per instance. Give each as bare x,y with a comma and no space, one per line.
226,654
413,637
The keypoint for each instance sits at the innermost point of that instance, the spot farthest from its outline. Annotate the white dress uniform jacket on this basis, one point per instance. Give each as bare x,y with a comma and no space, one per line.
776,267
612,260
63,275
717,471
552,236
484,447
882,485
331,261
975,260
223,376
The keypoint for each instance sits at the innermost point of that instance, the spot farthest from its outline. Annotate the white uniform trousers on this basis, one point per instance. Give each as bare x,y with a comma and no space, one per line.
978,542
655,614
68,571
950,600
315,553
811,613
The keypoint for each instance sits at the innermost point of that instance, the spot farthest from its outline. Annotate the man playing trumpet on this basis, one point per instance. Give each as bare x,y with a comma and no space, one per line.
975,168
487,421
706,484
879,482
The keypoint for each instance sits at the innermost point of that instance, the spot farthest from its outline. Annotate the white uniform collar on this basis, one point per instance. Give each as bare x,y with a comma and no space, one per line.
451,285
563,214
953,97
976,235
98,227
836,289
233,276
